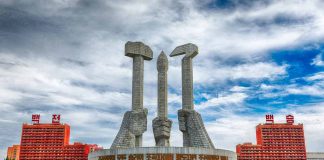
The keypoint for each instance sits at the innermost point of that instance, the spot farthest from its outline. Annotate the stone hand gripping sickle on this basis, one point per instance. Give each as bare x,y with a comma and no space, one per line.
190,121
134,122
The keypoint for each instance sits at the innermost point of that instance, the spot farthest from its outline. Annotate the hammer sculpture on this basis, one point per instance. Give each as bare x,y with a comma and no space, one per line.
134,122
190,121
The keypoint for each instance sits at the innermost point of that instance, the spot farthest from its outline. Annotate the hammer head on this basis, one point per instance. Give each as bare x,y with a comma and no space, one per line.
138,48
189,49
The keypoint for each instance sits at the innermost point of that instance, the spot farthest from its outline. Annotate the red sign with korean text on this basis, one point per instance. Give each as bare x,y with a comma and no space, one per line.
290,119
35,118
269,118
56,118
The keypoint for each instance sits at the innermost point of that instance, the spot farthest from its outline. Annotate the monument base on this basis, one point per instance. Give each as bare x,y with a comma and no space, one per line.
162,153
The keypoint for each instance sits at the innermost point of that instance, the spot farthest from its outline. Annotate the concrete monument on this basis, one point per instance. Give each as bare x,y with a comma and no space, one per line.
190,121
128,142
161,124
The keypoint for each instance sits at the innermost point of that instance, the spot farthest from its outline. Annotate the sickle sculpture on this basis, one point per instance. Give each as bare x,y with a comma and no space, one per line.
190,121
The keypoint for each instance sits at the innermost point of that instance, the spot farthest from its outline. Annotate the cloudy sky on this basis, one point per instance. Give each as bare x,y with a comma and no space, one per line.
256,57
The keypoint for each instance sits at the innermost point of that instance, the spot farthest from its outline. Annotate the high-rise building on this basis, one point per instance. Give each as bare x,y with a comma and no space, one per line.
275,141
13,152
50,141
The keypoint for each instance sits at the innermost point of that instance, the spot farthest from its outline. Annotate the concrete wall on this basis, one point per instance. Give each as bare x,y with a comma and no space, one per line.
194,153
315,156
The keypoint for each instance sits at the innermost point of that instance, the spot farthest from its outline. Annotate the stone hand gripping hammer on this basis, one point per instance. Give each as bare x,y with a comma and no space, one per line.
135,122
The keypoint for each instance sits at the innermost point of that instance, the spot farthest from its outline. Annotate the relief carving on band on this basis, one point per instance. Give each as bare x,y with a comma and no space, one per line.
136,157
163,157
159,157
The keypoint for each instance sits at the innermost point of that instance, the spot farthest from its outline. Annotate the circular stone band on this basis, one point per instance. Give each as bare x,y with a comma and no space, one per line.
162,153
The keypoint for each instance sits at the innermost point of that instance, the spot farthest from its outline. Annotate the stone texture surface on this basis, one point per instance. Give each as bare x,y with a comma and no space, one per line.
138,48
124,138
134,122
146,151
161,130
190,121
137,83
193,129
190,50
162,91
161,124
187,83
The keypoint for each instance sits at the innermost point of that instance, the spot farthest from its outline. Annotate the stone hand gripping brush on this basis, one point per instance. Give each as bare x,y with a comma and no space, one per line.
161,124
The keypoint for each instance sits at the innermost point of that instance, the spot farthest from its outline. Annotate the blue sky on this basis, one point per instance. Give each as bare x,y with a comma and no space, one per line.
255,58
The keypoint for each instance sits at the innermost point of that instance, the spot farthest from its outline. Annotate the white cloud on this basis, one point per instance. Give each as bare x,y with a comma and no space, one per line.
239,89
53,83
306,90
317,76
267,87
316,88
223,100
318,60
251,71
230,130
